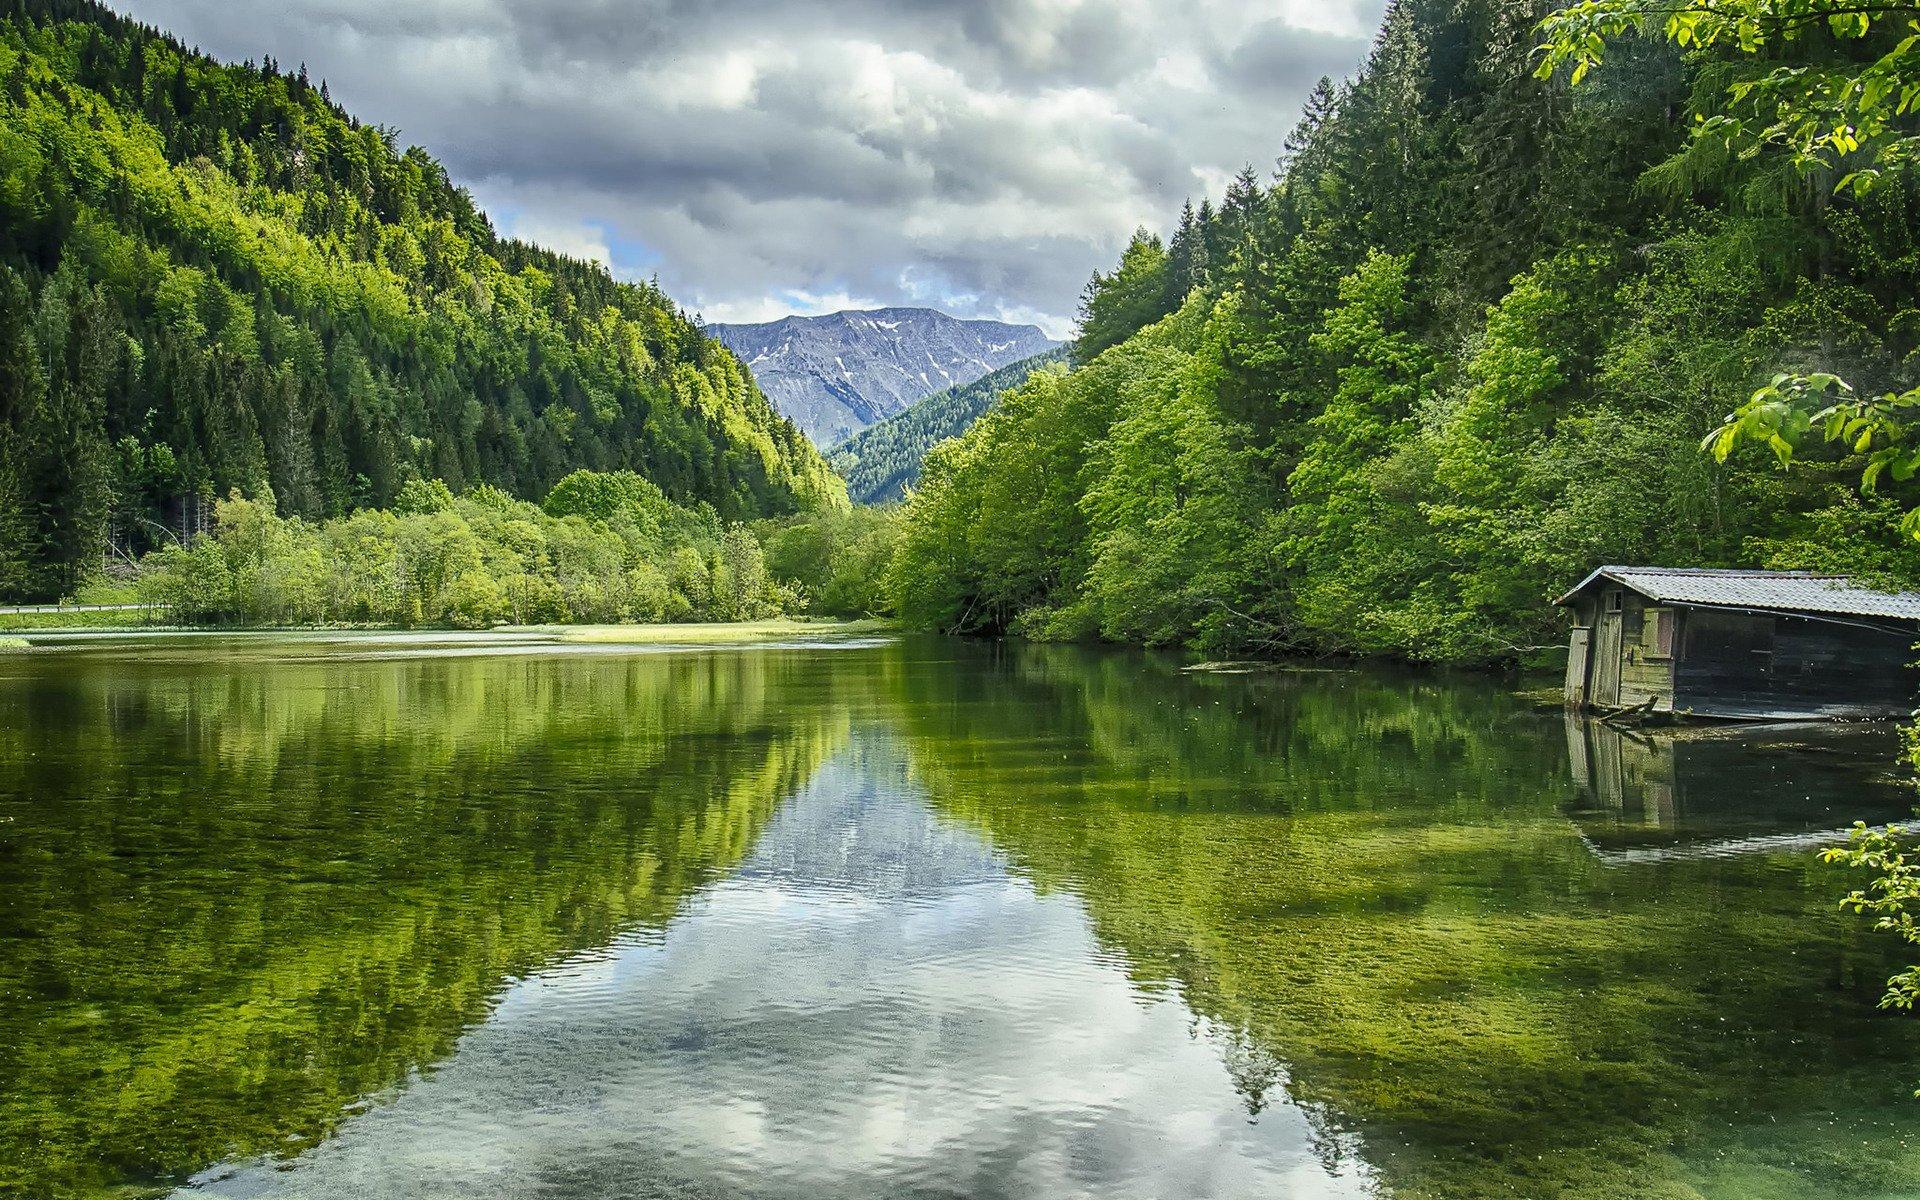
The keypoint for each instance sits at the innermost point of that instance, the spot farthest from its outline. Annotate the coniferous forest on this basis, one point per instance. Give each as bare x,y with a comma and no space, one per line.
214,279
1459,348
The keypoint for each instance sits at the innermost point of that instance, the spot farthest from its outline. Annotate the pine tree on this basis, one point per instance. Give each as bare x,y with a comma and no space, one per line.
1115,306
21,386
60,463
1187,265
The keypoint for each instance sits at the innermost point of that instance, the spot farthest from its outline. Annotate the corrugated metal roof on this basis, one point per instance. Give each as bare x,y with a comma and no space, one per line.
1787,591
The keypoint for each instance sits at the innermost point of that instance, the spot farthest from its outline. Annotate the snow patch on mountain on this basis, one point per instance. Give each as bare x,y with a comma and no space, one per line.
834,375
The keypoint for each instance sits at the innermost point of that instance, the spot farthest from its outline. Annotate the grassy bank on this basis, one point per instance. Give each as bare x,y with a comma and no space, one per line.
726,633
714,633
40,622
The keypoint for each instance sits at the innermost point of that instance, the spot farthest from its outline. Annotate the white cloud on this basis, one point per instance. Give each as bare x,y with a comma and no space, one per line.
579,239
762,154
789,303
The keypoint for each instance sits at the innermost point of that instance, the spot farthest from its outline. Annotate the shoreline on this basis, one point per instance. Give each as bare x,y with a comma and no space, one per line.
692,632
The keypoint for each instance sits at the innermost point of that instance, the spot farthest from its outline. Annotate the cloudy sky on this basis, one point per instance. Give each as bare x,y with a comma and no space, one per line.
981,156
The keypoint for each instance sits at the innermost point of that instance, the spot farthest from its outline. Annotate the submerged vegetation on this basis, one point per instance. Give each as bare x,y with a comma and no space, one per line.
359,855
1378,894
248,894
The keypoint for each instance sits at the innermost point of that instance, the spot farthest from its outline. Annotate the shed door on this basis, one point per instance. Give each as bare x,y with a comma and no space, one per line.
1577,657
1606,658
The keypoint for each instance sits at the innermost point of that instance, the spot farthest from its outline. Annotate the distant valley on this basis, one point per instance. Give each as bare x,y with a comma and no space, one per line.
882,461
837,374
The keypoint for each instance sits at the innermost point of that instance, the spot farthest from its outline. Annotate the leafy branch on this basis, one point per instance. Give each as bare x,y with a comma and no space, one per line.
1891,896
1853,119
1786,410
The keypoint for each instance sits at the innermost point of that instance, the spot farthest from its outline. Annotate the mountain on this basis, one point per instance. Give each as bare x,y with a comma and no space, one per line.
882,461
835,375
213,277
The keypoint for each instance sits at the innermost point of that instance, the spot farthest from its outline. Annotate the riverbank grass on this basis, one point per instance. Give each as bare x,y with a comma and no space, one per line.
718,633
57,620
728,633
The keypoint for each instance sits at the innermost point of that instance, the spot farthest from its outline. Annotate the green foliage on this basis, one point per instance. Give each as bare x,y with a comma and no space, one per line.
1892,898
837,561
1345,536
469,562
211,277
882,462
1170,488
626,502
1456,354
1877,430
1136,294
419,496
1854,535
1010,518
1840,106
55,474
996,526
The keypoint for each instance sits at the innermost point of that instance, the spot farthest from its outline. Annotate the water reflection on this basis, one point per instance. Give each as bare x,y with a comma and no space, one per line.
1721,790
929,919
239,899
1375,883
870,1005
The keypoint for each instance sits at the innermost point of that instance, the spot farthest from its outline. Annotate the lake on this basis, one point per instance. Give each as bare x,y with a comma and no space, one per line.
473,915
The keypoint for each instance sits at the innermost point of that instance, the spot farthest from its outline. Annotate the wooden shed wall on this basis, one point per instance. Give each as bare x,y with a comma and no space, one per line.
1739,664
1619,657
1731,663
1646,667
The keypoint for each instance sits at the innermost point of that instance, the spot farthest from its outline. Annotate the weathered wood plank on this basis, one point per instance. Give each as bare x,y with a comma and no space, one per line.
1577,658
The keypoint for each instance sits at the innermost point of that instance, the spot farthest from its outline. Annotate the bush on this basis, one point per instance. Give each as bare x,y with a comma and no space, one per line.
602,549
836,561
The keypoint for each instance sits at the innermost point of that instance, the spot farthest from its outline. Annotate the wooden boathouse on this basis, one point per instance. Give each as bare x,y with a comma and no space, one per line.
1744,645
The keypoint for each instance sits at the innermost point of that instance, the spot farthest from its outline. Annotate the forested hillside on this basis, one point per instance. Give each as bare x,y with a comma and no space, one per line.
211,277
882,461
1459,349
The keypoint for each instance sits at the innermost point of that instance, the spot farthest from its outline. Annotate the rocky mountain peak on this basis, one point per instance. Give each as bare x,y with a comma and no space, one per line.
838,373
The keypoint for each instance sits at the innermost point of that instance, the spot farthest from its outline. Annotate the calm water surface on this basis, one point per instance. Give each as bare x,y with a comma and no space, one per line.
481,917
